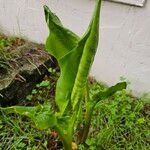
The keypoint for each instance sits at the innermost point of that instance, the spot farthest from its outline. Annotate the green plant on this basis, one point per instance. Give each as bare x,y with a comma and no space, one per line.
120,122
75,56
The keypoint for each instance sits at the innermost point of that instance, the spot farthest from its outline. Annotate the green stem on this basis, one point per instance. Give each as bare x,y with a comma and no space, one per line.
67,144
85,131
66,132
65,137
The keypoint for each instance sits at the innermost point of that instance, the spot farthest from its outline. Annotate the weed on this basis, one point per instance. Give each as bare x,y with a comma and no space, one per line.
120,123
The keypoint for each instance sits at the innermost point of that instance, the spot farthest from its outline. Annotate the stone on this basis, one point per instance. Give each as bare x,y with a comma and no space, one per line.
26,70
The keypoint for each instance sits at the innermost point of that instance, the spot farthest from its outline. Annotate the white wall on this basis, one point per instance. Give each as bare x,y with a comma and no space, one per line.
124,48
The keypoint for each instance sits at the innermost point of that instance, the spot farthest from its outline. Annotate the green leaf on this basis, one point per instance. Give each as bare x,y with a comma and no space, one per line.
29,97
74,56
109,92
59,44
34,91
141,120
60,40
44,83
42,116
89,51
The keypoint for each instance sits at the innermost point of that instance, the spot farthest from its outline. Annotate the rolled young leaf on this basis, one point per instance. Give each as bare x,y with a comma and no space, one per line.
87,58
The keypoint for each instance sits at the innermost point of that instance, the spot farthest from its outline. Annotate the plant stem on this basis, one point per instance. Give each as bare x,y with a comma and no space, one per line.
85,131
66,136
67,144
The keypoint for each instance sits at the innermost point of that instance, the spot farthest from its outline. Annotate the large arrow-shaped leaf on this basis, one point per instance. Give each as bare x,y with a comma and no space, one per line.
74,56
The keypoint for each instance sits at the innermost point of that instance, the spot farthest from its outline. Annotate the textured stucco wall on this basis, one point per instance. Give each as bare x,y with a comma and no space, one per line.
124,48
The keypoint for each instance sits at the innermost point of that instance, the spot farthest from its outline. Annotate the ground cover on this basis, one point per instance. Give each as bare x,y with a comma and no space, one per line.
119,123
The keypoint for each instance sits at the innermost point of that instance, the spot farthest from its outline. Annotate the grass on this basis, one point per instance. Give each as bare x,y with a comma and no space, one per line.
18,132
119,123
